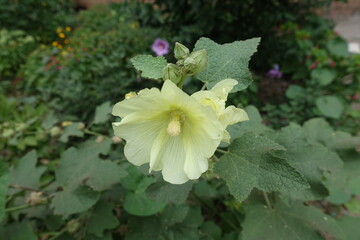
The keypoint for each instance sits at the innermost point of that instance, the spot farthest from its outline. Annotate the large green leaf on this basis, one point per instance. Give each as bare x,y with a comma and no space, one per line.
310,159
330,106
288,223
102,218
350,226
72,201
4,180
162,191
338,47
323,76
252,162
25,173
229,60
83,166
150,67
73,129
138,204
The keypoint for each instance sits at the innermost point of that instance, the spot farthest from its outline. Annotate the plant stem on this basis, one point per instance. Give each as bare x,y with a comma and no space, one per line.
221,151
17,208
93,133
58,234
26,188
267,200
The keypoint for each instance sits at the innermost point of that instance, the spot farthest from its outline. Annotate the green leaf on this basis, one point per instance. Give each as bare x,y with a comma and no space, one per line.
49,121
323,76
330,106
353,206
310,159
102,218
25,173
150,67
83,166
229,60
254,124
170,193
290,223
102,113
295,92
350,227
139,204
17,231
4,180
338,47
73,129
72,201
176,222
252,162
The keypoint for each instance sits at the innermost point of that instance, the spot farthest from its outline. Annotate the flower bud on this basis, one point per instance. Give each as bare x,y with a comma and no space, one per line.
180,51
73,225
190,65
171,72
200,58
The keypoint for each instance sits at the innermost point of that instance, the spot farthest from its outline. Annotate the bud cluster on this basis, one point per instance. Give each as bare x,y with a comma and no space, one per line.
187,64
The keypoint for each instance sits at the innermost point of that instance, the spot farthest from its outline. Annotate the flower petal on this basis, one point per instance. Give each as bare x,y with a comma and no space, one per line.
222,88
139,129
147,99
233,115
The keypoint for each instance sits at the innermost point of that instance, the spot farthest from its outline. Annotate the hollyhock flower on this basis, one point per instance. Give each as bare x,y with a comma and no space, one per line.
170,130
275,72
160,47
216,99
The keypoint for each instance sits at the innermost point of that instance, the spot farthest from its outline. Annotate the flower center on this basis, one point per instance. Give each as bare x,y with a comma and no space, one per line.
177,118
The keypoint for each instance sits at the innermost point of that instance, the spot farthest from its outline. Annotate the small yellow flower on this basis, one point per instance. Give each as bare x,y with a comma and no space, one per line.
59,46
66,41
55,43
61,35
59,29
68,29
216,99
63,52
170,130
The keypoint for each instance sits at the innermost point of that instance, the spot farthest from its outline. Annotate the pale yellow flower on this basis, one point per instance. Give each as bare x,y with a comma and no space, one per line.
216,99
170,130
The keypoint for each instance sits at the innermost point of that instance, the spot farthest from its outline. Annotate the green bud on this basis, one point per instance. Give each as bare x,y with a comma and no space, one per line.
200,59
73,225
181,52
171,72
190,65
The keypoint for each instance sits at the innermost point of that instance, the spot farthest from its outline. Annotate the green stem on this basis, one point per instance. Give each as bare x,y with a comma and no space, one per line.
93,133
221,151
58,234
267,200
180,84
17,208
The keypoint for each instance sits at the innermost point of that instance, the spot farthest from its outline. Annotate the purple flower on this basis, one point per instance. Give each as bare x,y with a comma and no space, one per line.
160,47
275,72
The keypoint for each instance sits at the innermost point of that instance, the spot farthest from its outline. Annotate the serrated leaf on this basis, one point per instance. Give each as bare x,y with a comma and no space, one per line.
229,60
83,166
102,113
73,130
310,159
170,193
25,173
102,218
139,204
330,106
150,67
72,201
4,180
252,162
290,223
